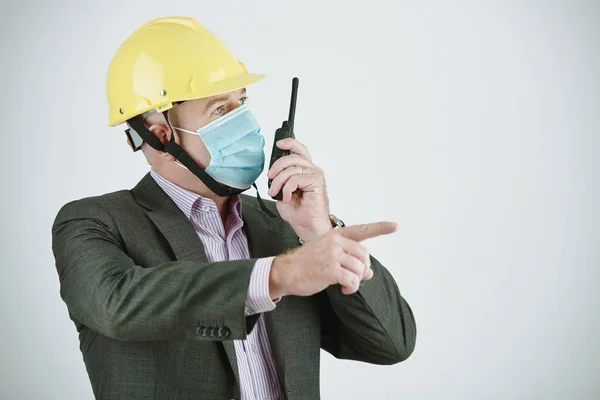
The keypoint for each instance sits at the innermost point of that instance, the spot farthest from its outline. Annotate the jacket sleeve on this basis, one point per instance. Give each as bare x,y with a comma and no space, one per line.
374,325
107,292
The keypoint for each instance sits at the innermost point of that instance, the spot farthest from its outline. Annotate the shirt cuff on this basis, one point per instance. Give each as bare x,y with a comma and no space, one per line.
258,299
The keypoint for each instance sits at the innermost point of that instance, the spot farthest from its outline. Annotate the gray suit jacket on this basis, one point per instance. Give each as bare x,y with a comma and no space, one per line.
156,320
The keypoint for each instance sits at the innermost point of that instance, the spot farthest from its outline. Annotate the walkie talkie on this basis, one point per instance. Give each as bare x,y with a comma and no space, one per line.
286,131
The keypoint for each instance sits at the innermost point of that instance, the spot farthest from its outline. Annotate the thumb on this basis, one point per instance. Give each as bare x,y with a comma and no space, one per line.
361,232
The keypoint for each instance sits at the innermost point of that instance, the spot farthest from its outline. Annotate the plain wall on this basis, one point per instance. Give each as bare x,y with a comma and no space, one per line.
474,125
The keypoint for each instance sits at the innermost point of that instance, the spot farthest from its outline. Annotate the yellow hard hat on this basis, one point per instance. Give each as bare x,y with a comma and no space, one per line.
169,60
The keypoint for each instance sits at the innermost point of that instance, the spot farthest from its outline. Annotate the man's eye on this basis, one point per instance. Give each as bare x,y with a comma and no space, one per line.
243,100
220,110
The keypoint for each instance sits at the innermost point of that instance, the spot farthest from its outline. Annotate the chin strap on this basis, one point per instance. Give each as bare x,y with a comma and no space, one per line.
262,205
137,124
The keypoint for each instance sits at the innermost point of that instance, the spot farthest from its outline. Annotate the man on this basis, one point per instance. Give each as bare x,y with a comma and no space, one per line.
184,288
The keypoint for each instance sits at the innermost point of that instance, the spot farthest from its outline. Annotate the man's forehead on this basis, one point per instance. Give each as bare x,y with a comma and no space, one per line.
225,95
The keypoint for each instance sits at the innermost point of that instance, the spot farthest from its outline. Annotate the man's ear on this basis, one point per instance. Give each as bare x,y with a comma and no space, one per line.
163,133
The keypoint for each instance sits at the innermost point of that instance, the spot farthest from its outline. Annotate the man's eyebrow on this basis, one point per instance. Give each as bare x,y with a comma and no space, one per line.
220,98
215,100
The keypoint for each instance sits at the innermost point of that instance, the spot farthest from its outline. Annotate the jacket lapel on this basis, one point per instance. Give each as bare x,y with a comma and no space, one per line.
264,241
260,229
186,245
170,221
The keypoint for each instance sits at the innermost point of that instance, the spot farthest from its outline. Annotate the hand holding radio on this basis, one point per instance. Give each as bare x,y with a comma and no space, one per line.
296,182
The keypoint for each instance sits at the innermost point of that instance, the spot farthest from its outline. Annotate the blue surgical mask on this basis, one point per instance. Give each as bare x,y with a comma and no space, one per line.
235,146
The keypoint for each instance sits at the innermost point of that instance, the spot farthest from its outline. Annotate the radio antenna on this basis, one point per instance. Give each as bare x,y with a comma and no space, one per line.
290,123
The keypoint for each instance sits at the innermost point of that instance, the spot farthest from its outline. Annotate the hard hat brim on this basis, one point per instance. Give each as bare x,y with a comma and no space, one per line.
227,85
222,86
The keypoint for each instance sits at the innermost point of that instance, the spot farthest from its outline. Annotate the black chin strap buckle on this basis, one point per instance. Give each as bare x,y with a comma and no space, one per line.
131,139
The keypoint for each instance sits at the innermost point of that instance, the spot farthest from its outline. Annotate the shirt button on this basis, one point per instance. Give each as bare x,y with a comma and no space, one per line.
255,348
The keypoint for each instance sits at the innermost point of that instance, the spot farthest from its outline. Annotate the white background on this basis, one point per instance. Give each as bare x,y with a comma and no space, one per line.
475,125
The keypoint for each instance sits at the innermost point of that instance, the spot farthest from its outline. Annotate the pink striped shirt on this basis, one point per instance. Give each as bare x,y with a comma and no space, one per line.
256,365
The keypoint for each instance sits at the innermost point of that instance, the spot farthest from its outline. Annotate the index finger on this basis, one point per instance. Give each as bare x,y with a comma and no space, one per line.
295,147
367,231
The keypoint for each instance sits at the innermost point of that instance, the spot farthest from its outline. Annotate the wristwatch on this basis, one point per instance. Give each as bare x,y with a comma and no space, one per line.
335,222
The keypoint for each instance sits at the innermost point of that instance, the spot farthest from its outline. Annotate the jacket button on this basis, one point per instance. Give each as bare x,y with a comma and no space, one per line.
211,331
225,331
201,331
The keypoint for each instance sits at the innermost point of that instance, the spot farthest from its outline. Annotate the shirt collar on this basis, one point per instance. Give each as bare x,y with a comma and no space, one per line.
190,202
